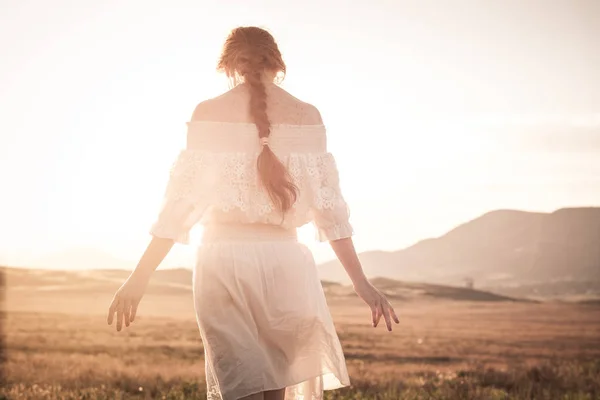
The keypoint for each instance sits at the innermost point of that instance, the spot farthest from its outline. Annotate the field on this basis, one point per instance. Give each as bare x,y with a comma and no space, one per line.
58,346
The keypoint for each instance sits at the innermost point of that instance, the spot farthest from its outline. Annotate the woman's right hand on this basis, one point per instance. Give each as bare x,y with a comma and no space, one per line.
126,300
377,302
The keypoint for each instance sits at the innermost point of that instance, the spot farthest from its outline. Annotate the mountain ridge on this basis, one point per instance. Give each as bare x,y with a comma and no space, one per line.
501,248
178,282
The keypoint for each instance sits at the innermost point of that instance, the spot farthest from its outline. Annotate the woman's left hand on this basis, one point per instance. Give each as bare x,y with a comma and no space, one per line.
377,302
126,300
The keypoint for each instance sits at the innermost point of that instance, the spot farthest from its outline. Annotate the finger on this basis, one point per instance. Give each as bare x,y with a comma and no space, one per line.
127,311
134,307
393,314
374,315
379,314
119,317
386,316
111,310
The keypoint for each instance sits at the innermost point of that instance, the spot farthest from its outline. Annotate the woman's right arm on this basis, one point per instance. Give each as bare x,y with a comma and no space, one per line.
127,298
155,253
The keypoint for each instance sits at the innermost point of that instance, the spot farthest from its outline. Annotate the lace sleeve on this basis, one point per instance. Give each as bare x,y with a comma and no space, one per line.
329,209
183,204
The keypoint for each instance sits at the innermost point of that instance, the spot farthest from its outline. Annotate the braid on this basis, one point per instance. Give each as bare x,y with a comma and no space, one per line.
272,173
249,52
258,103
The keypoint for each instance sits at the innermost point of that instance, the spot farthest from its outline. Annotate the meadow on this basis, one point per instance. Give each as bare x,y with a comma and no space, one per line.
57,345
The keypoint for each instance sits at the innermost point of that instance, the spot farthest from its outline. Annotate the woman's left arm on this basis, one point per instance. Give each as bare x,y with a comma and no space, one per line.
182,207
127,298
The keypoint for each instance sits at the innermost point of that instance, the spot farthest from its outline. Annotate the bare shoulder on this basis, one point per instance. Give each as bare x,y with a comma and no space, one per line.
212,109
233,105
205,110
202,110
306,113
311,114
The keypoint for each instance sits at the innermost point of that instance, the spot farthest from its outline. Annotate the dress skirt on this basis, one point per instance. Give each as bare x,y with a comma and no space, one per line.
262,315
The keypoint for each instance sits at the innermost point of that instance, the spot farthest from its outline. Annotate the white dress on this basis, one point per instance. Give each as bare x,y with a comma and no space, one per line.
260,307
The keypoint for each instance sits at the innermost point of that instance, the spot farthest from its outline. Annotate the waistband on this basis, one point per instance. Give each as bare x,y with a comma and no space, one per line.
247,233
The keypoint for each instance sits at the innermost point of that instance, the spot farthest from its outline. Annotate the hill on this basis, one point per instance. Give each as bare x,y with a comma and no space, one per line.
394,289
503,249
32,282
78,258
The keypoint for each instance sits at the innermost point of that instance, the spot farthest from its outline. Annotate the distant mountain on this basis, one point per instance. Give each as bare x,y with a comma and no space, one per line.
394,289
82,258
93,281
500,249
33,283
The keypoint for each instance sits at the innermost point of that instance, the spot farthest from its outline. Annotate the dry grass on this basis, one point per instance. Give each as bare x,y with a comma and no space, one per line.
441,350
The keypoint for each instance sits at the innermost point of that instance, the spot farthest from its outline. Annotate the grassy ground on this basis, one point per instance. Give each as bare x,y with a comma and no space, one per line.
441,350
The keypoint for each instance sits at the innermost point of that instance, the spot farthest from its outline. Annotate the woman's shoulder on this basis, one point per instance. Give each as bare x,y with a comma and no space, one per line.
212,108
231,106
310,114
290,108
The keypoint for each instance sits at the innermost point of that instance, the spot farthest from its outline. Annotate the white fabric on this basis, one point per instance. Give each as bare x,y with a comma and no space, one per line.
215,180
259,303
263,316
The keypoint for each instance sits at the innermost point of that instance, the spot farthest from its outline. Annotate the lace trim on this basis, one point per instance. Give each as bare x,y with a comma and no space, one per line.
230,181
162,230
335,232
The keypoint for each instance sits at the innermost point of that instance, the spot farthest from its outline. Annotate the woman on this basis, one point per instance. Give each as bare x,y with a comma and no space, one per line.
255,168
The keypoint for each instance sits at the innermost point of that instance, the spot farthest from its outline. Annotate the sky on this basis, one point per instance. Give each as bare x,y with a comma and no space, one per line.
437,112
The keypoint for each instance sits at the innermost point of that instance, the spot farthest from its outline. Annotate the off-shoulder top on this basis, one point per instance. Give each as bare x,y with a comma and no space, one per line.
214,180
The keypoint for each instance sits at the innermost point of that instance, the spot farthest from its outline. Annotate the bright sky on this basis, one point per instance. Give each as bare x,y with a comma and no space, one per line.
436,111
